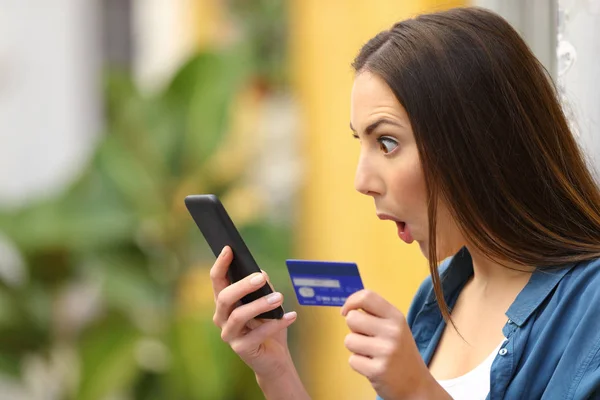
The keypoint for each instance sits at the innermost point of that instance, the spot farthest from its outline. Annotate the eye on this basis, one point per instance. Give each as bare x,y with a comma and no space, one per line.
387,144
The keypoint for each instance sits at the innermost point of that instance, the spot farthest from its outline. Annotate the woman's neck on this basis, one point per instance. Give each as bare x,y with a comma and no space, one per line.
497,275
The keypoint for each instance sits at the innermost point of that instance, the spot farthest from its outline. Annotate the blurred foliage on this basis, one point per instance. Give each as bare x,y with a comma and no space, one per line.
117,301
265,25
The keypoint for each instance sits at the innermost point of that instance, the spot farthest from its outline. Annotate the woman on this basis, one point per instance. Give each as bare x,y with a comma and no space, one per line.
465,147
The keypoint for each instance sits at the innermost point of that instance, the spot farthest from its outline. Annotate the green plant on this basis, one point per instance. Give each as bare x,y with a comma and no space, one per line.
117,300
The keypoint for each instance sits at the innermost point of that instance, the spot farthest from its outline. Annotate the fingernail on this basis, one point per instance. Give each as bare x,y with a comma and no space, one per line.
290,315
223,252
273,298
258,279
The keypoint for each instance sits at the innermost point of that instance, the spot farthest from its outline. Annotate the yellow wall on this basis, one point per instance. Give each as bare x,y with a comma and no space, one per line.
335,222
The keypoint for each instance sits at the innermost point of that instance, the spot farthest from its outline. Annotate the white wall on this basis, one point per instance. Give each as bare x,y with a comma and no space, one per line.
579,29
571,28
51,84
49,94
535,20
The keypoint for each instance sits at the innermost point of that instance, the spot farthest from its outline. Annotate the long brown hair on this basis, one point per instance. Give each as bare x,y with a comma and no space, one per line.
493,140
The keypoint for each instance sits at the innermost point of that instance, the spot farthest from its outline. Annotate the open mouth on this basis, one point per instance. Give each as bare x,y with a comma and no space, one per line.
404,232
401,225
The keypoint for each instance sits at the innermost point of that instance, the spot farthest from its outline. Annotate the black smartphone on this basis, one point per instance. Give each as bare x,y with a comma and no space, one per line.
219,231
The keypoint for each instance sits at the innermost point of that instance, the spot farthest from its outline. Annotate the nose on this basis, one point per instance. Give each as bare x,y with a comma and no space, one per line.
366,180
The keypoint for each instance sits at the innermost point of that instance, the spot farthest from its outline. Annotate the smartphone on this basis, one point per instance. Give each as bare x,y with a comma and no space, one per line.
219,231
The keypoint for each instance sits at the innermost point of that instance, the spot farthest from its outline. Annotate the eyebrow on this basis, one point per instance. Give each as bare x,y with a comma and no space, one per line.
374,125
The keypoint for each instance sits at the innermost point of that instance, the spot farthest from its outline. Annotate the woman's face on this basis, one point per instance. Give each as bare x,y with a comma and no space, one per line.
389,168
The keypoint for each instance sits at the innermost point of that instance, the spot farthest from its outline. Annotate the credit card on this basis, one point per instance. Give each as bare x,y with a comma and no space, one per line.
323,283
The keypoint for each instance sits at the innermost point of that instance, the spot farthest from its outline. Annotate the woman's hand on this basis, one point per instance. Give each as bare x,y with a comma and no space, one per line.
260,343
384,351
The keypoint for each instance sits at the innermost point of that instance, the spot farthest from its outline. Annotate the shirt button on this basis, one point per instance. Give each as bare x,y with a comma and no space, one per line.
503,352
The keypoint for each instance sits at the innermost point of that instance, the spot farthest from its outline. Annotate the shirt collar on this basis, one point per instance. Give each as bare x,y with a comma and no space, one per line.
455,273
540,285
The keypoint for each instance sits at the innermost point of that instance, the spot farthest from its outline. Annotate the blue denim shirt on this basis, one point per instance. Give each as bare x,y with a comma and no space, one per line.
552,349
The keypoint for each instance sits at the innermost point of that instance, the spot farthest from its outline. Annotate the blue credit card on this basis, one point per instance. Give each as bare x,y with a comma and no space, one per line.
323,283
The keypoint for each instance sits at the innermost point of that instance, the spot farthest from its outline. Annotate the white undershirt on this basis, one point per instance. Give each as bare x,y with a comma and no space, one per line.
475,384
